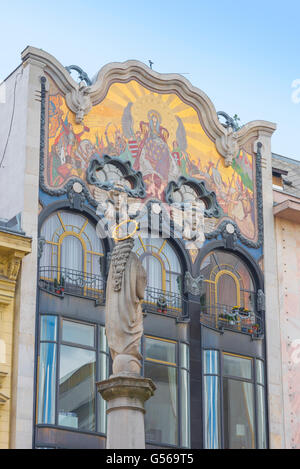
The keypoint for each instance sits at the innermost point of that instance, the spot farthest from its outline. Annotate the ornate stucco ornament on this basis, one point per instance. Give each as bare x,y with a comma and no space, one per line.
97,174
79,101
212,208
261,301
193,285
83,76
10,265
227,145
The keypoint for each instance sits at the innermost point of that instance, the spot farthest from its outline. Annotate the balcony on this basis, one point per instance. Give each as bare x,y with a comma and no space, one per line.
233,318
163,302
73,282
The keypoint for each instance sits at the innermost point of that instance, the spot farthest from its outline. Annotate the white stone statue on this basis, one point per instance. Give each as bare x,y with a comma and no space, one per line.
126,285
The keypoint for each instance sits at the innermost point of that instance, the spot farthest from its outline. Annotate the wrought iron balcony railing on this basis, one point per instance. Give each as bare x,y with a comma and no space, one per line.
74,282
163,302
232,318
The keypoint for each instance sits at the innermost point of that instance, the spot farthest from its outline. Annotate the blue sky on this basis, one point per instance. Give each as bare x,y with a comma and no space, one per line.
243,55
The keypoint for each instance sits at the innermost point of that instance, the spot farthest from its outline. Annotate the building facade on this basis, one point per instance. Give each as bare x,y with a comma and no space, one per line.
200,193
286,212
14,245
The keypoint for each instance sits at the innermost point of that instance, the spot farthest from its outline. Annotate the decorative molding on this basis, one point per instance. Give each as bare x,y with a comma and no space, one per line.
13,266
76,199
229,121
3,375
79,101
229,235
227,144
41,244
261,301
135,178
3,399
213,209
83,76
193,285
10,265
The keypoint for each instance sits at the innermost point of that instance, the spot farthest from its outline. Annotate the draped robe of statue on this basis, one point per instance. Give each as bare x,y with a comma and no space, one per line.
124,318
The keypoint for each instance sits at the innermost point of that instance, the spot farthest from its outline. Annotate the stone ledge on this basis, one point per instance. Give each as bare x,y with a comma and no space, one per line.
127,385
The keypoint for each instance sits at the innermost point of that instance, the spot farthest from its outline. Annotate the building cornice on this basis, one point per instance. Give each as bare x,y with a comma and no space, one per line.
15,242
289,209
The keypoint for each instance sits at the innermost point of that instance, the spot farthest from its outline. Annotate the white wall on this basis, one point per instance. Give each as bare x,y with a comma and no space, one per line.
13,167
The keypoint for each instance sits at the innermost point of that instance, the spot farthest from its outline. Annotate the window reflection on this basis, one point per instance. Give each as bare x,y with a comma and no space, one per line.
77,388
238,402
165,412
78,333
261,417
74,403
233,385
47,383
161,410
212,412
48,328
237,366
160,350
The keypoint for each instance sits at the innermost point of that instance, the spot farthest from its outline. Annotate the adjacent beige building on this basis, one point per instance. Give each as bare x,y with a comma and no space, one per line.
13,247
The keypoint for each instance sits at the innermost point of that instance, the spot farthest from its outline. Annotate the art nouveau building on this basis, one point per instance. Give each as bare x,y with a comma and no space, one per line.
211,318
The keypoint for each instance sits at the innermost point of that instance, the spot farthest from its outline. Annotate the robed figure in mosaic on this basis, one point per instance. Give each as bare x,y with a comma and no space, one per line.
126,285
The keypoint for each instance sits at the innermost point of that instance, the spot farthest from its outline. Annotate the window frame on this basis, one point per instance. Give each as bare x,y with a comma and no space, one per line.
66,233
59,342
178,367
221,376
146,249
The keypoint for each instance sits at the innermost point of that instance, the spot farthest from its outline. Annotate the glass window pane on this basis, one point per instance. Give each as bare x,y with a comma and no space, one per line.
77,333
238,411
260,378
261,418
154,271
48,328
47,383
184,356
227,290
77,388
185,408
212,436
103,375
211,362
237,366
103,340
71,219
72,253
161,419
160,350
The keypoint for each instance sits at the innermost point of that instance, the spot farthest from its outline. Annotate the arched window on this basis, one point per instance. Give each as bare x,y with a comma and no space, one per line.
229,296
164,274
71,259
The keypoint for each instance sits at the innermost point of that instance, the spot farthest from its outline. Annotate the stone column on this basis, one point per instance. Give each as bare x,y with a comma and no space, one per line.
125,395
